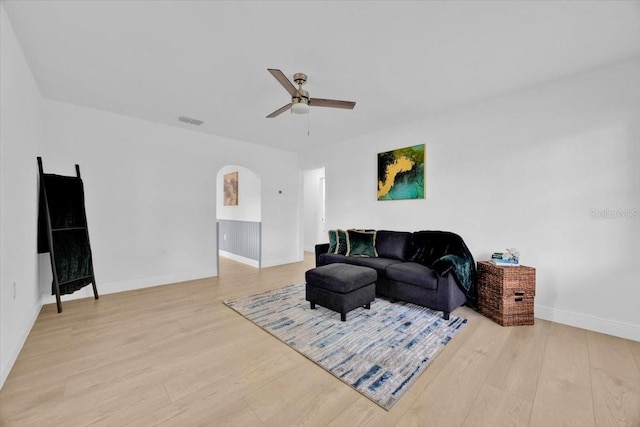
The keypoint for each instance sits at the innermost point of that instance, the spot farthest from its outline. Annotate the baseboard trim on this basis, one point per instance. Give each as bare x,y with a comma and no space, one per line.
282,261
592,323
130,285
21,338
238,258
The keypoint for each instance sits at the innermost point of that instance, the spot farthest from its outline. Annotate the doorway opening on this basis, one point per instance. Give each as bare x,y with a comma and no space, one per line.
239,215
314,209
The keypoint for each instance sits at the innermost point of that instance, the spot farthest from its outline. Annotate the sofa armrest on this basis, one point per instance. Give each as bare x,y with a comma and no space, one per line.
463,271
451,264
321,248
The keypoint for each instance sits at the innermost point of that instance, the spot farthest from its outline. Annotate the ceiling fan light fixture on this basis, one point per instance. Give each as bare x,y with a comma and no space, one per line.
300,107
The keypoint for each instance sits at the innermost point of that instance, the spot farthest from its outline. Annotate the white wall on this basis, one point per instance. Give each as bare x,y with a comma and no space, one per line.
20,132
312,222
525,170
151,195
249,195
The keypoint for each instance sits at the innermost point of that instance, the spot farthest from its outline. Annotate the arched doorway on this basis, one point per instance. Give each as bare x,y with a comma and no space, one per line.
239,215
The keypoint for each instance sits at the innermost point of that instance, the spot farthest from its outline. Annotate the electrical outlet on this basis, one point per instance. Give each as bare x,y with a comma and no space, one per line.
14,290
224,237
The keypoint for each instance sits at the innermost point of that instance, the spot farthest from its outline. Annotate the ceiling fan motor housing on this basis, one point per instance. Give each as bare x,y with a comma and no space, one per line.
303,98
300,104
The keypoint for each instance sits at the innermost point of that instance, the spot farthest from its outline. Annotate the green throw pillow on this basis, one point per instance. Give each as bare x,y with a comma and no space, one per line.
333,241
343,244
361,243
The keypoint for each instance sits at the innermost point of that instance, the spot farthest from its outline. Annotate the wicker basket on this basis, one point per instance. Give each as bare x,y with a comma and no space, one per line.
506,294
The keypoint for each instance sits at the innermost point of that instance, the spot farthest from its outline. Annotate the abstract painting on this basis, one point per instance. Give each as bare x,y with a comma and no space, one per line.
401,173
231,189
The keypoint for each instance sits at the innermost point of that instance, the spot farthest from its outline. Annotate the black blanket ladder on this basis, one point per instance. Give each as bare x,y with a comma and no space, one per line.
63,232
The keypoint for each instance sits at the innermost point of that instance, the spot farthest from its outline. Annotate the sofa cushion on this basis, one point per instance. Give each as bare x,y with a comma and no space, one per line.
378,264
360,243
413,274
393,244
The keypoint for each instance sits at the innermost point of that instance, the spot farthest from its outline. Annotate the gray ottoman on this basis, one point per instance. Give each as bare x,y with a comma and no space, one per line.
341,287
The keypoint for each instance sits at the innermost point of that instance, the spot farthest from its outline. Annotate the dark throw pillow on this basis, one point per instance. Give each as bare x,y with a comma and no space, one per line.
342,242
333,241
361,243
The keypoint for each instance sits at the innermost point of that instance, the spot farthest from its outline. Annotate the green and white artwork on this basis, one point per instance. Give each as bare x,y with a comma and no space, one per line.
401,173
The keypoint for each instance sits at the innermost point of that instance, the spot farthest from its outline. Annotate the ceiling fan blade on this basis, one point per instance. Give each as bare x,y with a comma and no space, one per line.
284,81
279,111
333,103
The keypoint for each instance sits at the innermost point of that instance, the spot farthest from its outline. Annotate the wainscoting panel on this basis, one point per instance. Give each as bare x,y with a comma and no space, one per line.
242,238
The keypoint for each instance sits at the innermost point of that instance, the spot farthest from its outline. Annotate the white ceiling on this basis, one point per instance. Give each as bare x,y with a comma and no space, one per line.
157,60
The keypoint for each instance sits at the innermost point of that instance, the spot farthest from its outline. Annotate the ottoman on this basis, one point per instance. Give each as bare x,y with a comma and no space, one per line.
341,287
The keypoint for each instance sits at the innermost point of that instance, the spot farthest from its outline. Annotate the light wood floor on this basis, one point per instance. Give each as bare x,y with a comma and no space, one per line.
176,356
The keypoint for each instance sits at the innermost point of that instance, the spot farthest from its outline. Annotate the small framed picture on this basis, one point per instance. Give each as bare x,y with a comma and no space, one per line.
231,189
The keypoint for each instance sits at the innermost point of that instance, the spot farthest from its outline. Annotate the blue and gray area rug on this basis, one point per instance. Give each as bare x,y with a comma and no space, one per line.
379,352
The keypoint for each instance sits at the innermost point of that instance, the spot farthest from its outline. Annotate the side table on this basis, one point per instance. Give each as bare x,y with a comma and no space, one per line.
505,294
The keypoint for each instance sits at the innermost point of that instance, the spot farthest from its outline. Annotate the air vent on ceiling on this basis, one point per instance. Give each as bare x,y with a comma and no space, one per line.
191,121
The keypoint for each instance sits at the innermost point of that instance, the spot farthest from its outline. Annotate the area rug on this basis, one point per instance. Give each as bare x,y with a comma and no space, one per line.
379,352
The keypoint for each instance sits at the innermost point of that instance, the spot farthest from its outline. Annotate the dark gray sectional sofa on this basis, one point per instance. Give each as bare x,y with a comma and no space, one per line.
434,269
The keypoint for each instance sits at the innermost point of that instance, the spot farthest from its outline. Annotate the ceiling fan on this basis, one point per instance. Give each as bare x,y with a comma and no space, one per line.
300,100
